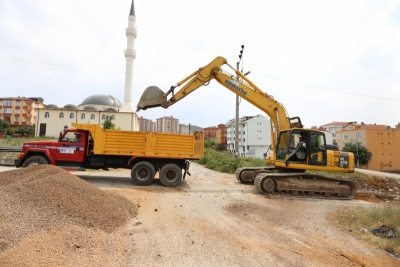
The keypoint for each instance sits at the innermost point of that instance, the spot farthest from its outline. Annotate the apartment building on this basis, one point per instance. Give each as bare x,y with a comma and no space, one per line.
146,125
20,111
332,128
221,135
167,124
210,132
254,136
381,140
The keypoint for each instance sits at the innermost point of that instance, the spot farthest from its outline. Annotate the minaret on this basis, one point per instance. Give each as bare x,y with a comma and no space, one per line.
130,56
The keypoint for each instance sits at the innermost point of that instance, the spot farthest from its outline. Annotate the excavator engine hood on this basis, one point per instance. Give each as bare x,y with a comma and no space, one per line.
152,97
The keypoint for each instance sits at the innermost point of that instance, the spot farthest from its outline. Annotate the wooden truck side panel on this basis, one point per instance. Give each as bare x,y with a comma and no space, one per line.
144,144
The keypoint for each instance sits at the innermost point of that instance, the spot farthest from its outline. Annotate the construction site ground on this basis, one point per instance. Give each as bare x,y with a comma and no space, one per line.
209,220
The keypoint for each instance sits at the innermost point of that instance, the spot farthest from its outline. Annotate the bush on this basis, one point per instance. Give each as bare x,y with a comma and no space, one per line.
225,162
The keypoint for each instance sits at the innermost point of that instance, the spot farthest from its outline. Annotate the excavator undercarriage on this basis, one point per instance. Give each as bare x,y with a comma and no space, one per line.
268,181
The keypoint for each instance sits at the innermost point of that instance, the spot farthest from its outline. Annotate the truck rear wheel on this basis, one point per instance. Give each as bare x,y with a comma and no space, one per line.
170,175
143,173
35,160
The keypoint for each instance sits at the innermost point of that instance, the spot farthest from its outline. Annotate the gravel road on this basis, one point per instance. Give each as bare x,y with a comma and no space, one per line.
210,220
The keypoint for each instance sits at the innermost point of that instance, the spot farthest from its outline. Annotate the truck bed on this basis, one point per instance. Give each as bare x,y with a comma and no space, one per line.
149,144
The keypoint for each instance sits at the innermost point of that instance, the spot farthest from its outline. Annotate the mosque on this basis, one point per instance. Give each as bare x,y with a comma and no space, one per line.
95,108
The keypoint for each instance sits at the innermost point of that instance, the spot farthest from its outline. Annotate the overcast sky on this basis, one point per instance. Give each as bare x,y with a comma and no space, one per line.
323,60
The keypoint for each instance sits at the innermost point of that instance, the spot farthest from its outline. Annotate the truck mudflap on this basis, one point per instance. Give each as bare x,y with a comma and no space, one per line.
187,165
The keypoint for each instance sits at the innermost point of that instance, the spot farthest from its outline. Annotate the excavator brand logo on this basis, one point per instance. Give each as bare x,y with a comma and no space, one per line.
234,84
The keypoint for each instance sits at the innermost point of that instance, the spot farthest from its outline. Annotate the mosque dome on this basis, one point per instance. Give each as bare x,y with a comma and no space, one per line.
52,106
90,108
110,110
70,106
99,99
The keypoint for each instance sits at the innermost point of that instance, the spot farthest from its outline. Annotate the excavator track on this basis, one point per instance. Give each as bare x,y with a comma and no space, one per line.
253,172
304,185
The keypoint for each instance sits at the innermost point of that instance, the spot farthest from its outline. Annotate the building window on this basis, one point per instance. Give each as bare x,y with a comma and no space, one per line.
333,135
349,128
17,104
82,116
61,115
358,135
7,110
345,136
112,117
16,119
92,117
17,111
103,117
71,115
7,103
47,115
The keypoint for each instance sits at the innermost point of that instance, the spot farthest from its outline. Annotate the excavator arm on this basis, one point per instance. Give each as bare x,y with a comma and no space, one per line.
239,84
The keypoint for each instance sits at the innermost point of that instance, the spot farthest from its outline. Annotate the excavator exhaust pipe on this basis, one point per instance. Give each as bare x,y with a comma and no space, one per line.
152,97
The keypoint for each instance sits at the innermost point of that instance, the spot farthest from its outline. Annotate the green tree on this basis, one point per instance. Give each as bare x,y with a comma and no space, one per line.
209,143
4,125
109,124
360,153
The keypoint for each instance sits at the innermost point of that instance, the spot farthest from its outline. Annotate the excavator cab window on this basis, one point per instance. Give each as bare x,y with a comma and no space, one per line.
294,144
317,149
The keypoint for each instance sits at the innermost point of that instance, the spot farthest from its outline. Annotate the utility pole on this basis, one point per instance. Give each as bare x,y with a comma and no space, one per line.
358,161
237,111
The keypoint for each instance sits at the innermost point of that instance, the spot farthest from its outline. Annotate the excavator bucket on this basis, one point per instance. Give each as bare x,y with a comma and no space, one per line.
151,97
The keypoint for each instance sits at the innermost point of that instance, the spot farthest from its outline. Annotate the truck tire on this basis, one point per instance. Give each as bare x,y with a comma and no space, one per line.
143,173
35,160
170,175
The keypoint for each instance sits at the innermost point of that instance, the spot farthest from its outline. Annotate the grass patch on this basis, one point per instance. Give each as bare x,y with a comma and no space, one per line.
362,220
226,162
6,142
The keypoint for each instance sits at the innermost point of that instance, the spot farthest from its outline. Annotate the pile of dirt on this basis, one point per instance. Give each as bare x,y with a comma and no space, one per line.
46,199
377,189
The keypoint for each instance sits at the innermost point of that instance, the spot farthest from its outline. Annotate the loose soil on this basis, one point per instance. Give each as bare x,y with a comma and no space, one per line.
50,217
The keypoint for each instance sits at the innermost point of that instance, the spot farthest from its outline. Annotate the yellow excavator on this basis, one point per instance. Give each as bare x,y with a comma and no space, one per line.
294,148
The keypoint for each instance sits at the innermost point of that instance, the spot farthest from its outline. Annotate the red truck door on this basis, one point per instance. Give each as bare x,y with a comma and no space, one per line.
69,148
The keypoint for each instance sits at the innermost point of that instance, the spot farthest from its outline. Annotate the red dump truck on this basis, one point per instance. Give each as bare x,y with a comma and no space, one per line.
145,153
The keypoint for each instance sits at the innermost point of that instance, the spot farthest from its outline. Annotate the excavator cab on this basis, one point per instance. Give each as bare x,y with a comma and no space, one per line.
301,146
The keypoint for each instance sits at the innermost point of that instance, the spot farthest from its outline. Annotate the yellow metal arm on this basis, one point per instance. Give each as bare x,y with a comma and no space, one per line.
242,87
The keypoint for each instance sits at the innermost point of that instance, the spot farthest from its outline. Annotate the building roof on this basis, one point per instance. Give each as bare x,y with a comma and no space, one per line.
337,123
70,106
102,100
372,127
51,106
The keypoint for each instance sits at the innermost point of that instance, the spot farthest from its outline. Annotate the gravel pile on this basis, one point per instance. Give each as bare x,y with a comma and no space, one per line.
45,199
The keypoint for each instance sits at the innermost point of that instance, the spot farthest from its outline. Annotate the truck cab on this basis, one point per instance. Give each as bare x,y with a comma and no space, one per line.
67,152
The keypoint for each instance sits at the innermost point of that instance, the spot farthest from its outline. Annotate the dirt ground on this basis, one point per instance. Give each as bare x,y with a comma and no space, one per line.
210,220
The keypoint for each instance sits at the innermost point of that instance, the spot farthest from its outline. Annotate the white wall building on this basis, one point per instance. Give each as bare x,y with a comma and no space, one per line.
254,136
333,128
51,121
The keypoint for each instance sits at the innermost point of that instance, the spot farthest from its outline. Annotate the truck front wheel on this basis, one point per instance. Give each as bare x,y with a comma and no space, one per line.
35,160
170,175
143,173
